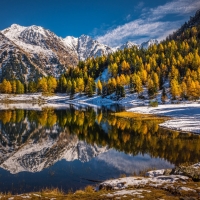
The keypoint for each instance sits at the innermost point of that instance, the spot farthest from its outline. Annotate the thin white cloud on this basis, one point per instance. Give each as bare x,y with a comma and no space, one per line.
150,25
139,6
136,29
176,7
128,17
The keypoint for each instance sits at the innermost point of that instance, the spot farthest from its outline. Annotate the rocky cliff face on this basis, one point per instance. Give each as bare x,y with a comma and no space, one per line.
86,47
43,48
15,62
128,44
147,44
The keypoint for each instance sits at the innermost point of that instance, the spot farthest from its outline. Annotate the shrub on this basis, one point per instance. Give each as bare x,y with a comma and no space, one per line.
89,189
153,104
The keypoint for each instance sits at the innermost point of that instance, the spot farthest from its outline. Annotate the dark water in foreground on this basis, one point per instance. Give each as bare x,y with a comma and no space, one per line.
70,148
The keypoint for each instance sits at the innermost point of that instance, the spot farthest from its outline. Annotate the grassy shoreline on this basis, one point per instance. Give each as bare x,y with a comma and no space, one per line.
139,116
177,190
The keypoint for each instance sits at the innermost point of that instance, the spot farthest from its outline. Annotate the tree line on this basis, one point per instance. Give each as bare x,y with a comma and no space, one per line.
176,62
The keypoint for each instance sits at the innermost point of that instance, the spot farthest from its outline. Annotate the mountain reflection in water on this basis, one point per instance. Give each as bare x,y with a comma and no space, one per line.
65,147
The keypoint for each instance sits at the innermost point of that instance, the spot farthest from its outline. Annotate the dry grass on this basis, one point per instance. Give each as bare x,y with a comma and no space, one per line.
139,116
171,193
54,191
122,176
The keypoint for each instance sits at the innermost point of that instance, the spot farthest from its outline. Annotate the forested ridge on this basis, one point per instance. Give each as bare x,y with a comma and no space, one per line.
175,60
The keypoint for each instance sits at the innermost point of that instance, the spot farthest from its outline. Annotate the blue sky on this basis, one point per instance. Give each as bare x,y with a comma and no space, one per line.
112,22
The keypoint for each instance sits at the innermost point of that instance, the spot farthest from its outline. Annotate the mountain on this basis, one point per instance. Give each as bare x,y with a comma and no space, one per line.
128,44
27,53
15,62
72,43
86,47
43,48
146,45
41,42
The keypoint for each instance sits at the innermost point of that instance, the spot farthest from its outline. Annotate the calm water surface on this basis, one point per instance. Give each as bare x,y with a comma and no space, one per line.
74,147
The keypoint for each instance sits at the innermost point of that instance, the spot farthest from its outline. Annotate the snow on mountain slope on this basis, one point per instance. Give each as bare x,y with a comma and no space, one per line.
46,50
13,31
146,45
71,42
86,47
15,62
128,44
50,54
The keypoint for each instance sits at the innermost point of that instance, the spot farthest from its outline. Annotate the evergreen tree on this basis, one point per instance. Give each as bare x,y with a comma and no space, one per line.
99,88
164,95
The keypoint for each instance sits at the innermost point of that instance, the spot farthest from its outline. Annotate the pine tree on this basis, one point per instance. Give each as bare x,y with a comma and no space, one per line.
42,85
113,69
90,87
69,86
32,87
80,85
62,83
137,83
6,87
14,87
51,84
99,88
164,95
73,88
175,89
184,90
19,87
151,88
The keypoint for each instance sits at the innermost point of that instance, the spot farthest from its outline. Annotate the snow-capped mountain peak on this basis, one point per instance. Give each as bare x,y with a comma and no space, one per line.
71,42
45,50
13,31
86,47
147,44
50,54
128,44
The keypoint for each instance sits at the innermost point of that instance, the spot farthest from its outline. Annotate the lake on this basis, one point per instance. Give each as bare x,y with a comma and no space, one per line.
74,147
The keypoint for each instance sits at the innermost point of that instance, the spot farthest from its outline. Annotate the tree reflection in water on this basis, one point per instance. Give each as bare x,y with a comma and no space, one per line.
101,128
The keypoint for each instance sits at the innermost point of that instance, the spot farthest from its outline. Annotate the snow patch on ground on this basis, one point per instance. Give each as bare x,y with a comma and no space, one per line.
185,117
137,192
155,173
186,189
197,165
123,183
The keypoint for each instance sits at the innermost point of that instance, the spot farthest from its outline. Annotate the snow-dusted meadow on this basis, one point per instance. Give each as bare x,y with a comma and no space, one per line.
185,116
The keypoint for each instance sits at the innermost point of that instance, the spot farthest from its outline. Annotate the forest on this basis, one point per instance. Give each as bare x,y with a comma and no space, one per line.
174,61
